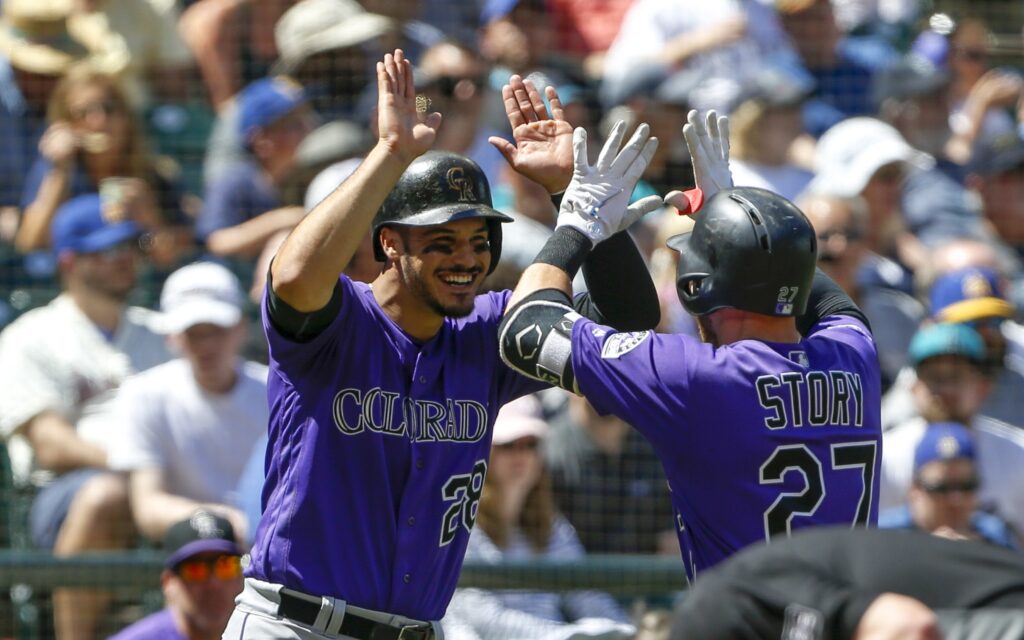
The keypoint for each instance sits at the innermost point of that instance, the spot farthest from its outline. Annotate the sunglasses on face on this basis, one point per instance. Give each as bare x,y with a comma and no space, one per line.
108,107
946,488
223,567
447,85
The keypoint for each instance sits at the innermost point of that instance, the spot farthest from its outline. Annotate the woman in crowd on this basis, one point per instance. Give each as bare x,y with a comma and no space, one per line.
94,144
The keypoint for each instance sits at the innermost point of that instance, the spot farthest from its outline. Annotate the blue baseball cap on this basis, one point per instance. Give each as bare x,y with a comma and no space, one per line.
946,340
265,101
969,294
79,226
943,441
496,9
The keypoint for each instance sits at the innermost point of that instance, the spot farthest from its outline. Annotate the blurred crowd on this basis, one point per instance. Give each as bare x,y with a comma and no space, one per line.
156,153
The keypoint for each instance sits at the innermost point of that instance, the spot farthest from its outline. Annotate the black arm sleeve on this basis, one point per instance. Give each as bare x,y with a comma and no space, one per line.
827,299
621,293
300,326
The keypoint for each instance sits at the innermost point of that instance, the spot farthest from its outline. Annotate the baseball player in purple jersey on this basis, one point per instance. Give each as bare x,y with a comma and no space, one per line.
770,422
382,396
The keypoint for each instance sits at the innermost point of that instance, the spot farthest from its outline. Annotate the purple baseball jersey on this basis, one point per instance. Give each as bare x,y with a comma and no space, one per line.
757,439
378,447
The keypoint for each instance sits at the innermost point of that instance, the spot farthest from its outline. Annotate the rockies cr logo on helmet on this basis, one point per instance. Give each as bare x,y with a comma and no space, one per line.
458,181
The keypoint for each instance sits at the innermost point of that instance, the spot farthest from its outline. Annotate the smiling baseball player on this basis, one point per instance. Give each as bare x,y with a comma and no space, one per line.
761,430
382,396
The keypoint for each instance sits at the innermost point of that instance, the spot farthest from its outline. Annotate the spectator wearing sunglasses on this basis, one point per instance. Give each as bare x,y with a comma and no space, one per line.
201,577
844,256
951,385
943,496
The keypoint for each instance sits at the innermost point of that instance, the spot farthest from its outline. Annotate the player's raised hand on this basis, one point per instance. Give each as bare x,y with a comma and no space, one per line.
708,143
597,200
403,124
543,143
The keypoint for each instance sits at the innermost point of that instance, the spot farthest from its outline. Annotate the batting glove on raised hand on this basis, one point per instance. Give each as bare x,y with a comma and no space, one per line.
709,151
597,199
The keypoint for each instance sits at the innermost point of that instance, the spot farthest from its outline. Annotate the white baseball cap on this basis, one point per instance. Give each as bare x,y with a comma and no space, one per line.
852,151
521,418
201,293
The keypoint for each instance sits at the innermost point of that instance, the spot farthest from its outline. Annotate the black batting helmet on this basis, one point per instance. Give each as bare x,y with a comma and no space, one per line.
750,249
440,187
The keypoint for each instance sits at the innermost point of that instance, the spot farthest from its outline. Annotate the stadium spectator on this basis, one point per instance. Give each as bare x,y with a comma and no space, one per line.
516,520
943,496
323,45
36,48
454,78
232,43
60,366
202,575
868,158
865,584
842,81
975,296
951,386
996,174
243,209
95,144
716,48
978,93
913,96
894,314
608,482
176,421
764,126
159,62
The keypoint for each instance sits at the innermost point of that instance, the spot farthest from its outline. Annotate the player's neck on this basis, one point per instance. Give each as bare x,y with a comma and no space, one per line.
407,311
103,310
735,326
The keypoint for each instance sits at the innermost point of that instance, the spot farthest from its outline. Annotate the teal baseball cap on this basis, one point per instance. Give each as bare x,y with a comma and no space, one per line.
946,340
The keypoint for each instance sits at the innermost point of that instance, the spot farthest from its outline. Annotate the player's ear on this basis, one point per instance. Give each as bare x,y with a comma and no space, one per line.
391,241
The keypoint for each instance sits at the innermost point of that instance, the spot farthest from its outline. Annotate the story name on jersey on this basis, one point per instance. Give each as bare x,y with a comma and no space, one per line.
833,398
390,413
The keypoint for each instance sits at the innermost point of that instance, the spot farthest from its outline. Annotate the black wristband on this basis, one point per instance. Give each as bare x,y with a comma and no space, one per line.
556,199
566,249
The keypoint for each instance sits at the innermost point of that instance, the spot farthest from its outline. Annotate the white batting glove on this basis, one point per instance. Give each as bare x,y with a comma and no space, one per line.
709,150
597,199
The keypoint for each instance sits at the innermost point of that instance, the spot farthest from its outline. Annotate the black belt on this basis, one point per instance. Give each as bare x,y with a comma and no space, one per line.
306,611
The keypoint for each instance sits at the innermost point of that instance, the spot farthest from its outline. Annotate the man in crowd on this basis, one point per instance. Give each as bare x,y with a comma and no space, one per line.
60,367
201,577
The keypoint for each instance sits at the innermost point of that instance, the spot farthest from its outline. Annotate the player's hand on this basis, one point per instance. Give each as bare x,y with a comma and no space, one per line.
597,200
403,126
543,144
708,143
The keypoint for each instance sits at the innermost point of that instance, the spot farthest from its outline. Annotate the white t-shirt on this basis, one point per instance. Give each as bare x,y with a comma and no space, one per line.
200,440
55,359
998,449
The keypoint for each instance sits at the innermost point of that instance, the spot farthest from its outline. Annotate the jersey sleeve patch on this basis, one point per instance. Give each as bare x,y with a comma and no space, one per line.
619,344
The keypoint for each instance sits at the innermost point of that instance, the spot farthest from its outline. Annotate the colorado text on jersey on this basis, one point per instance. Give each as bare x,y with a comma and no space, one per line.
389,413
